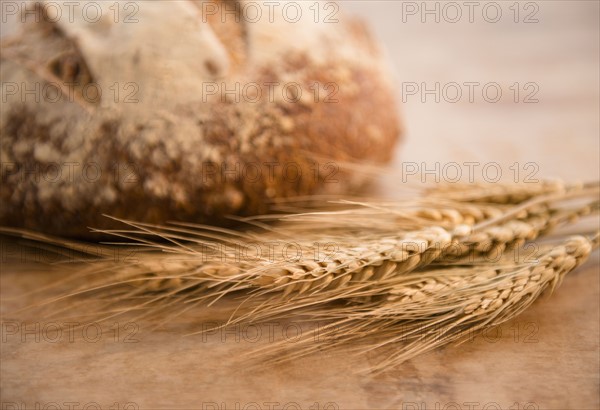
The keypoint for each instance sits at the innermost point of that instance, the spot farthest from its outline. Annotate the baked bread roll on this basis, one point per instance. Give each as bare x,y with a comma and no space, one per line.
180,110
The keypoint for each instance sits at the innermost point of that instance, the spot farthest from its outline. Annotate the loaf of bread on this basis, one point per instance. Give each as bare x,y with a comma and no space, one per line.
181,110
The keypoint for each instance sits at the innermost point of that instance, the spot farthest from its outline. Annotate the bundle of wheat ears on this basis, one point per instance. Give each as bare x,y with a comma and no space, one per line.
401,276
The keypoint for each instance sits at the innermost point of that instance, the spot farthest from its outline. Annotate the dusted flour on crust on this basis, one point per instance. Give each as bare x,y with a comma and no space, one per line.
188,114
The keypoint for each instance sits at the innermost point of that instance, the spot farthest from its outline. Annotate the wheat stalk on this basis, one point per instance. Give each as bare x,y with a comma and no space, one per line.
424,263
493,241
371,279
502,193
359,259
185,275
354,268
434,307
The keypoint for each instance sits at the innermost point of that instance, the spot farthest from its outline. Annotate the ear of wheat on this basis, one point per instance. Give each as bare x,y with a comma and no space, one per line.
356,271
435,307
400,271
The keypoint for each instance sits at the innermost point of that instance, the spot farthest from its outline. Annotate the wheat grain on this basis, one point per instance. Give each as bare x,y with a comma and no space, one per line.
416,274
501,193
357,273
359,270
432,308
491,242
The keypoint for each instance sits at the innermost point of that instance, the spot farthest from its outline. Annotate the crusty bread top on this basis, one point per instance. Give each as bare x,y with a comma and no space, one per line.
175,128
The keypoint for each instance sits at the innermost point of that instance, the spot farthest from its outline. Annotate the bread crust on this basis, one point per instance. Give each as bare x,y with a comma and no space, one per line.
202,157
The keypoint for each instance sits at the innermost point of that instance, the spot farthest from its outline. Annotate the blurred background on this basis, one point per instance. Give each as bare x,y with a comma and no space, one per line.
543,56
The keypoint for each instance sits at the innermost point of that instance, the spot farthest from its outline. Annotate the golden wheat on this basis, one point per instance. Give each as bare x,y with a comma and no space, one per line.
434,307
399,271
